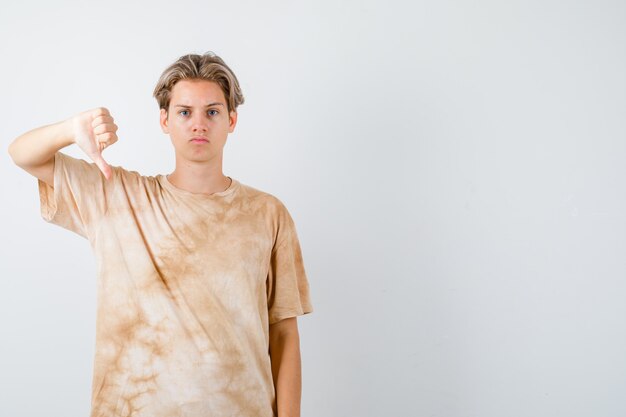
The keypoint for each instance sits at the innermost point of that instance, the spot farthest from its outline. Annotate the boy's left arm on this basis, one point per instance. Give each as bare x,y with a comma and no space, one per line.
284,352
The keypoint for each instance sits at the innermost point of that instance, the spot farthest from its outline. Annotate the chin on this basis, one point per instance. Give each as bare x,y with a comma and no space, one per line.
199,158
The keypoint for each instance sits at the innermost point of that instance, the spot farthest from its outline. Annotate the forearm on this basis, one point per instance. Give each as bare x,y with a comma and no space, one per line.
37,146
286,371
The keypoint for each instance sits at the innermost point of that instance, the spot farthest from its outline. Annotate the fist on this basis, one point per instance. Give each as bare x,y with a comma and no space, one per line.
93,131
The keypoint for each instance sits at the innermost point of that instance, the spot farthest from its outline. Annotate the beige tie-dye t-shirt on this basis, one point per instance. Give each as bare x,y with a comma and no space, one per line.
187,286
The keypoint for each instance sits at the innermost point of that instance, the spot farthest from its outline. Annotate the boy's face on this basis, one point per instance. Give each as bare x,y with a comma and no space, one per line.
198,109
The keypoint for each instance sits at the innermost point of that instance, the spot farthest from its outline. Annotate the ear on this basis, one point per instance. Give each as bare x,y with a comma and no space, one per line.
232,121
163,121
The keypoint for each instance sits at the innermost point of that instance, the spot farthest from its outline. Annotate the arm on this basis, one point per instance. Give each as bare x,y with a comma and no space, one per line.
34,150
92,130
286,366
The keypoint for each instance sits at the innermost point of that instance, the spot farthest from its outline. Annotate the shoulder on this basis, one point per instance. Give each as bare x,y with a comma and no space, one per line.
129,177
123,180
69,162
254,193
266,203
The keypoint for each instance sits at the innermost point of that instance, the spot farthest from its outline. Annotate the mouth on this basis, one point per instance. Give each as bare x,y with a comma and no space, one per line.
199,140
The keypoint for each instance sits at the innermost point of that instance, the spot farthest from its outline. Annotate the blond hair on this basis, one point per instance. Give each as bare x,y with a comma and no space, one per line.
207,66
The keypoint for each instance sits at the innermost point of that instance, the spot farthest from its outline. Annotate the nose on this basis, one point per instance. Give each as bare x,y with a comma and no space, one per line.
199,123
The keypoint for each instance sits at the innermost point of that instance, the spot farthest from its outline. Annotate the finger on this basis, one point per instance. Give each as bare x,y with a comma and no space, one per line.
104,167
100,111
106,137
103,143
102,119
104,127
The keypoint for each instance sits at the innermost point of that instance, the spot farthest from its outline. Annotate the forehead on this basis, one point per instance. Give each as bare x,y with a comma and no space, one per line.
196,91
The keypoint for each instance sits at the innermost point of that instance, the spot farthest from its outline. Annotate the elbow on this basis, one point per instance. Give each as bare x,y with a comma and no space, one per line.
16,153
11,151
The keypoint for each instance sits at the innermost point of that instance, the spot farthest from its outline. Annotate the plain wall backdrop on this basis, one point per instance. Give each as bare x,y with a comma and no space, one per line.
456,171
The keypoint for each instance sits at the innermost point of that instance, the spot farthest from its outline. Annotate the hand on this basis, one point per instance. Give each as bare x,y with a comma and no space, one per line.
93,131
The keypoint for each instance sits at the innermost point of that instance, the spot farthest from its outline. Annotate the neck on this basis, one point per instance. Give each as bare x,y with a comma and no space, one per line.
199,179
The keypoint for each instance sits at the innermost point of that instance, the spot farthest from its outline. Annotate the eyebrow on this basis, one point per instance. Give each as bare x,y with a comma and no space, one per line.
208,105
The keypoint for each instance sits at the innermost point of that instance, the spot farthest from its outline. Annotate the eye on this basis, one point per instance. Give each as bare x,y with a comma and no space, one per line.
216,112
182,111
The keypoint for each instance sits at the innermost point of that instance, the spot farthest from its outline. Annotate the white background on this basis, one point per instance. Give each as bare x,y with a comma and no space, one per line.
456,171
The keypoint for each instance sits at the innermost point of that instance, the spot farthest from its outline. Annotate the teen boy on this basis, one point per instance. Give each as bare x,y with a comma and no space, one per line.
200,277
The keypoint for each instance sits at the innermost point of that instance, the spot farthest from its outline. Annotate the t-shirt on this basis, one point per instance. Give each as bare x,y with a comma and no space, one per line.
187,286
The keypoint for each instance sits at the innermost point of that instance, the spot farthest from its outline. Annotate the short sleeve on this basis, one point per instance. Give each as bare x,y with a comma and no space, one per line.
77,202
287,284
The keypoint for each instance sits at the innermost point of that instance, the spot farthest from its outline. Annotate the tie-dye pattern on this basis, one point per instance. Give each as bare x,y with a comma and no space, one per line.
187,286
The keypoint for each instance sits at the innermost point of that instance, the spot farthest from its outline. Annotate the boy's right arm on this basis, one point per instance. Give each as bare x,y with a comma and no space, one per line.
92,130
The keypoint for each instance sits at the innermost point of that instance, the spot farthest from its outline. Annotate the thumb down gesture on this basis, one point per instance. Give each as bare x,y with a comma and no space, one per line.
94,131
